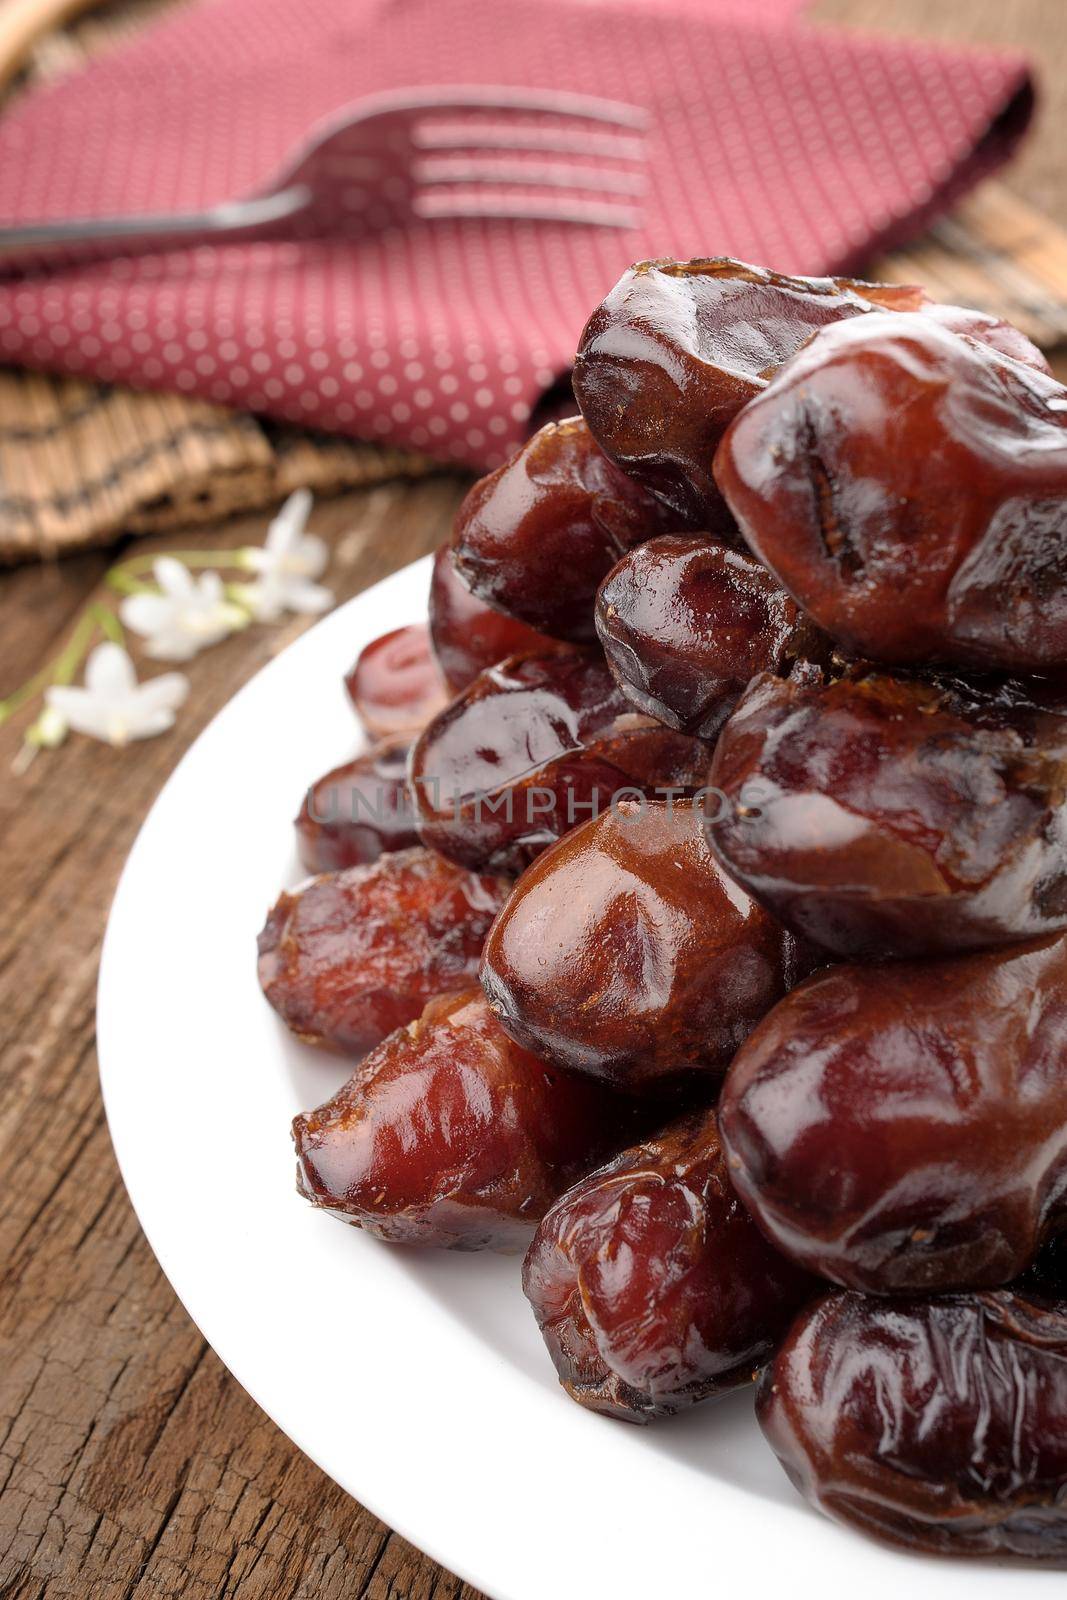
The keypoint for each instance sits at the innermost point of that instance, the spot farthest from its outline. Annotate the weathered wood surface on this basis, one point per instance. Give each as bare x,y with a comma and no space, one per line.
131,1464
132,1467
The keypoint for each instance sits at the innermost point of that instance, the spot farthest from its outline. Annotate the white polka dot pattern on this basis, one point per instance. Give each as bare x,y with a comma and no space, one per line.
797,147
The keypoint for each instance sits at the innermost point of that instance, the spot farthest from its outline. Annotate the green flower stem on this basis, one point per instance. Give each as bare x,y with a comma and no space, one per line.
109,625
123,579
61,670
122,583
188,558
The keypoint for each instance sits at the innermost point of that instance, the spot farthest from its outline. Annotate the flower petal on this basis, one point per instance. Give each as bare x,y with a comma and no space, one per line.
146,613
157,721
308,597
265,598
172,644
164,693
288,523
109,672
310,556
173,577
81,710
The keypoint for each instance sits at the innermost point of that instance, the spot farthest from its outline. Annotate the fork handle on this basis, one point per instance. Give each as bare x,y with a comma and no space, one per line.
51,244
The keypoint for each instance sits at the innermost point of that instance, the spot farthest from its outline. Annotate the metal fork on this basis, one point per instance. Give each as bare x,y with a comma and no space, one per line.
392,159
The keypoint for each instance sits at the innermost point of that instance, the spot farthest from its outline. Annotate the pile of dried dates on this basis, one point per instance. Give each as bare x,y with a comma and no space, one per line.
697,918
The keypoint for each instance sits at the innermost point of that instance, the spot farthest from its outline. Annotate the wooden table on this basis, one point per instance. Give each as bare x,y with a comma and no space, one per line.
131,1464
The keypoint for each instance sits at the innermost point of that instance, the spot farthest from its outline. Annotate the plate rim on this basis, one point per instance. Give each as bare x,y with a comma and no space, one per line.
479,1554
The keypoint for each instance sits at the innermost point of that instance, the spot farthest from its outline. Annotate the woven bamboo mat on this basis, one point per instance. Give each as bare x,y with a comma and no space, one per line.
82,464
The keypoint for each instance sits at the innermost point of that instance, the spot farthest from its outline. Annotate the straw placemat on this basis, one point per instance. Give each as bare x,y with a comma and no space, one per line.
82,463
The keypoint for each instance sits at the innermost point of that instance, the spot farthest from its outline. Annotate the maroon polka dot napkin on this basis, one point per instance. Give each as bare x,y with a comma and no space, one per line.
803,148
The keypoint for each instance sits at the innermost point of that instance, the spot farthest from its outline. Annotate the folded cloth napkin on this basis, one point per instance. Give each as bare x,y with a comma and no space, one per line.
799,147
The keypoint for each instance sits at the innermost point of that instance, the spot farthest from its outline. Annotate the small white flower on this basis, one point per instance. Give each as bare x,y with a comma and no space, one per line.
113,706
288,564
186,615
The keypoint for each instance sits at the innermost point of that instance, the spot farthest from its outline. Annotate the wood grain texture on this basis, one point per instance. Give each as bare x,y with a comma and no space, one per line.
132,1467
131,1464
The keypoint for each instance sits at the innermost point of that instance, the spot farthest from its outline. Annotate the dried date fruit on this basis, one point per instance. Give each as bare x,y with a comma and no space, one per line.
908,486
357,812
994,331
468,635
889,817
353,955
627,952
533,747
686,623
536,536
937,1425
679,347
676,350
449,1134
904,1128
396,685
652,1286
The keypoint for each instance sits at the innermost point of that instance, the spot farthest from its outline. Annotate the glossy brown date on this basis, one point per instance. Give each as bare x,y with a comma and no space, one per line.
535,746
908,486
676,350
993,331
904,1128
679,347
686,623
627,952
936,1425
536,536
468,635
885,817
355,954
449,1134
357,812
396,685
652,1286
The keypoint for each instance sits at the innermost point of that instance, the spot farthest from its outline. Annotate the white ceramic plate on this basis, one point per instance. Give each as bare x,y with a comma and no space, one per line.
416,1379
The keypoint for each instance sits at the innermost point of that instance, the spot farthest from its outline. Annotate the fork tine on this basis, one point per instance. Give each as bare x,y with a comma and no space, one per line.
555,176
556,140
438,205
506,99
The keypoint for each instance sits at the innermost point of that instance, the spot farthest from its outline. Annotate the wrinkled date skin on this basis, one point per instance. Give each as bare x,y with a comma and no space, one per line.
676,350
679,347
908,486
686,623
885,817
396,685
449,1134
535,746
993,331
626,952
355,954
652,1286
357,812
536,536
469,636
936,1425
904,1128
